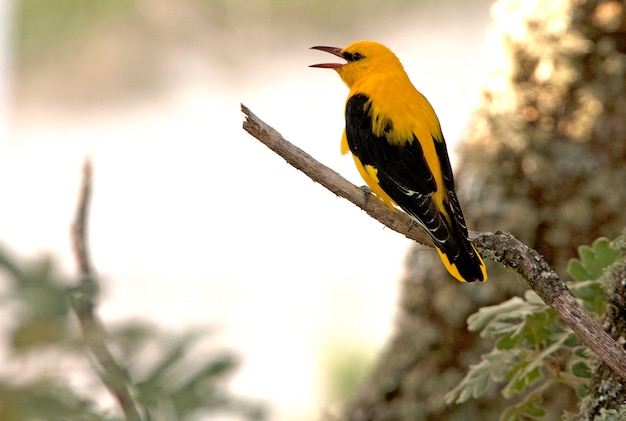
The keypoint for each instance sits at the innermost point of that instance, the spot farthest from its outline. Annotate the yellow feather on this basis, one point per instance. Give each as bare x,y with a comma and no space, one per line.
344,143
369,175
454,271
393,98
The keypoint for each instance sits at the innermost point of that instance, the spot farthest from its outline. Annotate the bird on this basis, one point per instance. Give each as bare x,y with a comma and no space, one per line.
398,147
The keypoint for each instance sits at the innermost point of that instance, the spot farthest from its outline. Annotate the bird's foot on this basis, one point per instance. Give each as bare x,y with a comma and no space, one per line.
366,194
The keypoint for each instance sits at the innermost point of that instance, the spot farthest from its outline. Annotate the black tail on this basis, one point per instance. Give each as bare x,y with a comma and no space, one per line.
464,262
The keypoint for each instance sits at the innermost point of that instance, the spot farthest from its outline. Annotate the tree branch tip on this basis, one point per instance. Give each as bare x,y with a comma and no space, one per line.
247,114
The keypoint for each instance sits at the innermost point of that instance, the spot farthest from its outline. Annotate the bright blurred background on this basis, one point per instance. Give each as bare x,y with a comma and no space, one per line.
194,222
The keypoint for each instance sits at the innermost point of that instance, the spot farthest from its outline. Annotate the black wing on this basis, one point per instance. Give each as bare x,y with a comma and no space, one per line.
404,175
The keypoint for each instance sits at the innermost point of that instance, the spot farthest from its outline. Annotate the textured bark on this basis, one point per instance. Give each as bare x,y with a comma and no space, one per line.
606,390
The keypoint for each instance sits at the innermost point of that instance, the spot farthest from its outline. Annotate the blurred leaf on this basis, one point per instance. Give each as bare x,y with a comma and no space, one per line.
533,327
525,410
528,371
580,369
40,300
202,386
177,386
46,399
593,260
581,351
36,332
591,294
172,354
475,382
485,315
130,337
10,265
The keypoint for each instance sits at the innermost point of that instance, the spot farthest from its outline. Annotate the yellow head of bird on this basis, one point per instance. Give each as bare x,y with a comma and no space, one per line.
362,59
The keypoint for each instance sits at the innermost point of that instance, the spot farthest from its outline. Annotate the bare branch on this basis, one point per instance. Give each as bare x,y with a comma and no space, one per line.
332,180
79,227
114,377
500,247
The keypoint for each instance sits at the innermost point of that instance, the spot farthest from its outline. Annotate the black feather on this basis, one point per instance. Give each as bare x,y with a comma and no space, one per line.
404,175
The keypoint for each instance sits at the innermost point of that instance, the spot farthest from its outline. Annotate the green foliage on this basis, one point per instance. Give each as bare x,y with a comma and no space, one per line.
40,302
173,382
533,348
527,409
593,260
46,399
171,376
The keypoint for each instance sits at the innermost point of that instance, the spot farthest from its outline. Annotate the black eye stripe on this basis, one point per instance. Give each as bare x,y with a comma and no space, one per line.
352,56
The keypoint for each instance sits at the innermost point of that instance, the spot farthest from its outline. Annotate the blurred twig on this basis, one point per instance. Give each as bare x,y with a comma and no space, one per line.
500,247
114,377
79,227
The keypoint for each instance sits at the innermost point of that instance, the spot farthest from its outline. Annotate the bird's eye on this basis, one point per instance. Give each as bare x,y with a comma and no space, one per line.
356,56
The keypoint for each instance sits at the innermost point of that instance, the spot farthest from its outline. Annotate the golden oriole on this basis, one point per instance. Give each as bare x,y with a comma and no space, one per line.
398,147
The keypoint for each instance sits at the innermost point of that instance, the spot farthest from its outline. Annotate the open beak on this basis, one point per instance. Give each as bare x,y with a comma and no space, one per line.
332,50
